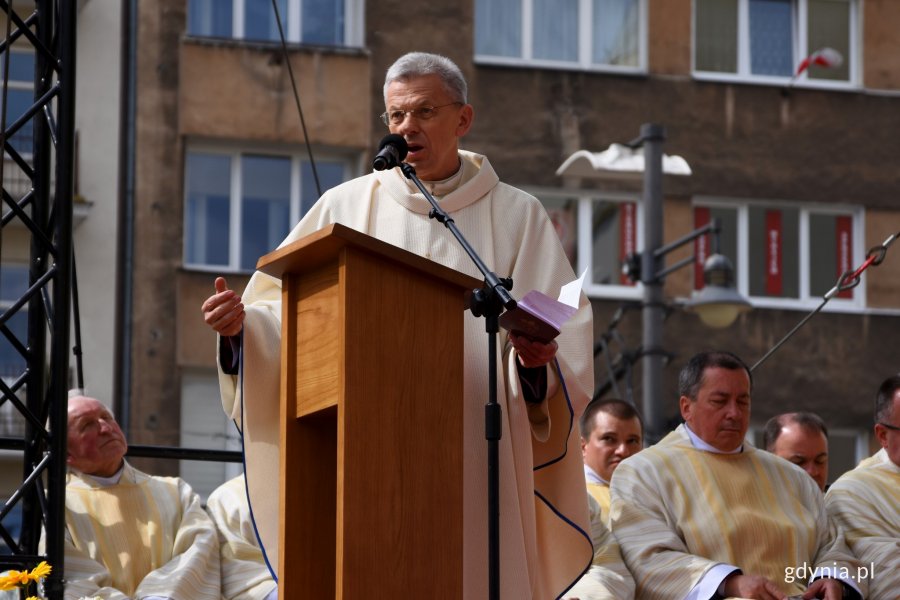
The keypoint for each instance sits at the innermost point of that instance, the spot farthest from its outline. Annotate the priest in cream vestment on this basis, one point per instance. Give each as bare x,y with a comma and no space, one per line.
129,534
545,536
703,514
865,501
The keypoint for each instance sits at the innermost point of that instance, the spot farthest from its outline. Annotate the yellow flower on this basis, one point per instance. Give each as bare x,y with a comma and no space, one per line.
40,571
32,598
8,583
13,579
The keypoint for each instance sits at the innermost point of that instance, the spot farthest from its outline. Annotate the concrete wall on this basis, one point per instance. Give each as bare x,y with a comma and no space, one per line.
244,93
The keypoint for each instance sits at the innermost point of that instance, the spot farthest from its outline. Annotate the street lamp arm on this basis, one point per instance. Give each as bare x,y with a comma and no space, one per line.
632,265
712,227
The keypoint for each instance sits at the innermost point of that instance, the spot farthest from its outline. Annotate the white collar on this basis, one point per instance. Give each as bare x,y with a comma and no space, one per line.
107,481
591,476
699,444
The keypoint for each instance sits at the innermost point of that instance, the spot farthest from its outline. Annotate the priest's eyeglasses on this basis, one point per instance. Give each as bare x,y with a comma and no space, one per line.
891,427
421,113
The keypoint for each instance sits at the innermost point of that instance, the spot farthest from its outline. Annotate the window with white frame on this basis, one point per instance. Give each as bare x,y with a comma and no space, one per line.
767,40
588,34
597,232
785,254
317,22
19,94
241,205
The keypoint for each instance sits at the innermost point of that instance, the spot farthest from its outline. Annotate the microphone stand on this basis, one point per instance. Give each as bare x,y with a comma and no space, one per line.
489,302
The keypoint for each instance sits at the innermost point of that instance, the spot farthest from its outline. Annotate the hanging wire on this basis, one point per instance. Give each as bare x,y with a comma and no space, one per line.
847,281
287,60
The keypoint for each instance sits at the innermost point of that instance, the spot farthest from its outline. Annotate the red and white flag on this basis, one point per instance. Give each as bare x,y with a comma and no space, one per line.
823,57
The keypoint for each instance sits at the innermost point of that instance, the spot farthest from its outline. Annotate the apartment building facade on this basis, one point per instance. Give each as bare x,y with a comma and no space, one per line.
797,169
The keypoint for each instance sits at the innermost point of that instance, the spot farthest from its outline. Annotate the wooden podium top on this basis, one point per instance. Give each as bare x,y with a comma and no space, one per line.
318,248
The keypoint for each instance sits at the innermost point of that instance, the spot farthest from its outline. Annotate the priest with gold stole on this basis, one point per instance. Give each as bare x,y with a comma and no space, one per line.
704,515
865,502
611,431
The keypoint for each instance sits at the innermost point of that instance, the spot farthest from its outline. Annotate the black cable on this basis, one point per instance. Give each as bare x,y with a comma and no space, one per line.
287,60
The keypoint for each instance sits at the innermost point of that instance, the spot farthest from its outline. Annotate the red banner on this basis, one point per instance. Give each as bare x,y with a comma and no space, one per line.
843,235
627,235
773,253
701,245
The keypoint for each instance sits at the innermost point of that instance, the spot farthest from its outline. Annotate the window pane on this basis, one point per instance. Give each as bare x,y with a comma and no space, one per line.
13,283
563,213
611,225
208,221
19,103
21,67
771,35
259,20
830,252
555,31
716,35
323,22
331,174
774,252
498,27
829,27
615,32
211,18
265,206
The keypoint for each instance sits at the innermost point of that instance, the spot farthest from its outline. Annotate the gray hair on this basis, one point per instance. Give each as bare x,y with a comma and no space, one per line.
418,64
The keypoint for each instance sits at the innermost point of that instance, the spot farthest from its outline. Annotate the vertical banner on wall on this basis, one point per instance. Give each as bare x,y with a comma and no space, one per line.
774,278
701,245
627,235
844,247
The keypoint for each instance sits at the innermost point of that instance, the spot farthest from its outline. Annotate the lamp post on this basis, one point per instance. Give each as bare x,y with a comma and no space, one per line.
717,304
653,305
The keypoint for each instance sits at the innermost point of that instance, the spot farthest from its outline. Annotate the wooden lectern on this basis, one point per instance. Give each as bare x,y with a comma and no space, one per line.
371,419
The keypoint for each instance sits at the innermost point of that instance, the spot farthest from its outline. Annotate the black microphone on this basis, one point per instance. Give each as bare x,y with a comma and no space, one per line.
391,151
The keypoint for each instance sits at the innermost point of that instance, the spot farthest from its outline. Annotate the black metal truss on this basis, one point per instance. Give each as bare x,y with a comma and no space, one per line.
43,208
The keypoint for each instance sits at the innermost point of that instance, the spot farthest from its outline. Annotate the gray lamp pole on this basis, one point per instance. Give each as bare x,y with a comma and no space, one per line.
717,304
653,308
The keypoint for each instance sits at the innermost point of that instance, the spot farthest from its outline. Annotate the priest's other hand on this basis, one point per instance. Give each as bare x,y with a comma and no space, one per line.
531,352
223,311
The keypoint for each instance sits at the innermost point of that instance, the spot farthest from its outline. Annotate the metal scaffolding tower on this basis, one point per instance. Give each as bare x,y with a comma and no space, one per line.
43,209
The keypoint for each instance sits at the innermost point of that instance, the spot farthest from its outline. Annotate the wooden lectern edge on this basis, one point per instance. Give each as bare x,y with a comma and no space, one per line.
321,246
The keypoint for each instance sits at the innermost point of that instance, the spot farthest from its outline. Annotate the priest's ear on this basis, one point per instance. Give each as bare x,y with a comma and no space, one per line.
881,434
466,118
687,407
